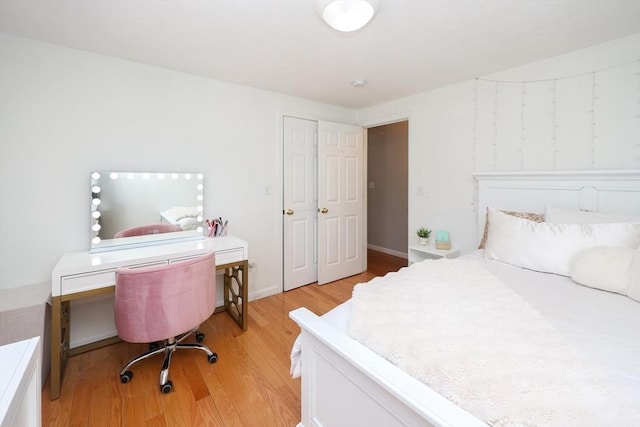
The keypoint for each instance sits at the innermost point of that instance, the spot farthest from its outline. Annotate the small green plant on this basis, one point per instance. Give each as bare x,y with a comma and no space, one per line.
423,232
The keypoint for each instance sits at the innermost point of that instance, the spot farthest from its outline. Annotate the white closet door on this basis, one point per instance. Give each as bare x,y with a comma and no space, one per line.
300,201
341,208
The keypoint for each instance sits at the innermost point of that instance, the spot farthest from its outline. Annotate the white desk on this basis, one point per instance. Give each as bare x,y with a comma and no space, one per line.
83,274
20,397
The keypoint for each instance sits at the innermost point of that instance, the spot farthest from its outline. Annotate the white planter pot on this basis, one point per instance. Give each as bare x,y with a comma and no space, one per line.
423,240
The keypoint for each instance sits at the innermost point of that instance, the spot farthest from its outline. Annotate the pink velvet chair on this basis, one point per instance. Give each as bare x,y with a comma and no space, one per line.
148,229
163,305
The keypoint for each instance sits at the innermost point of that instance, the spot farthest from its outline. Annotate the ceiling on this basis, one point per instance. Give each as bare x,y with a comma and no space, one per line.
283,46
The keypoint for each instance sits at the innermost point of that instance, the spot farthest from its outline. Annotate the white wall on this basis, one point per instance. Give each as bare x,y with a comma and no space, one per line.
528,126
65,113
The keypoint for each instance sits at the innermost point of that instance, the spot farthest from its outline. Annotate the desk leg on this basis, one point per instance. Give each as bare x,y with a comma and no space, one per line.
236,293
60,335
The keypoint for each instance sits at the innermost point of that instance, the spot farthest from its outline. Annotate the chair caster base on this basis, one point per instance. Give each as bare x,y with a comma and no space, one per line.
126,377
167,387
213,358
199,337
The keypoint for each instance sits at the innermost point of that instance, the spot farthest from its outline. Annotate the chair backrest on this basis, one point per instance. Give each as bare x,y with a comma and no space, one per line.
158,302
148,229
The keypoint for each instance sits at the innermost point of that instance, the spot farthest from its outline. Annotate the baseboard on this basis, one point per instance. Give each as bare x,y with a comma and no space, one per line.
264,293
388,251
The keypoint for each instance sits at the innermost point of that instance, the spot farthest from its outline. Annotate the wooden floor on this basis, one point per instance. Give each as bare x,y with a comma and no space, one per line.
248,386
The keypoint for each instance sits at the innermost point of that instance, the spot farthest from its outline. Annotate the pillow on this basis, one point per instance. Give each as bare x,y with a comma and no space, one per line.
608,268
536,217
567,216
550,247
188,223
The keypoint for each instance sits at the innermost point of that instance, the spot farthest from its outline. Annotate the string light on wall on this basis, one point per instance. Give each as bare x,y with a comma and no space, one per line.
495,128
554,129
593,120
584,113
638,115
474,152
522,137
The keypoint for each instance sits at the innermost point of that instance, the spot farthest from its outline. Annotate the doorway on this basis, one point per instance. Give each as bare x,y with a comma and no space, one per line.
388,188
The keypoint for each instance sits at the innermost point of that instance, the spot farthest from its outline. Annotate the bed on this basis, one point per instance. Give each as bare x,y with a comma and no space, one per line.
346,383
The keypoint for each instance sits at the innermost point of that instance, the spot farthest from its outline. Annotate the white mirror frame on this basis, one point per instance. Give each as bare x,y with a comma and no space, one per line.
167,198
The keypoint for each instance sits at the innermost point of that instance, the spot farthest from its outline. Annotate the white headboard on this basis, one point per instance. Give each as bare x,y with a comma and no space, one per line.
611,191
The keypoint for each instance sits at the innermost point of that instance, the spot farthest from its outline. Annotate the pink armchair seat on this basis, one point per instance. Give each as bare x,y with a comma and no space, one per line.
165,303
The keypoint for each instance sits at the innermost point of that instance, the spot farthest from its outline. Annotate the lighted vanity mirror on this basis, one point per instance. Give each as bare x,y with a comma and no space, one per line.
132,209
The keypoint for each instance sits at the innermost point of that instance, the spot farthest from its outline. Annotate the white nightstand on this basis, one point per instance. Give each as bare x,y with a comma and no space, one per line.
419,253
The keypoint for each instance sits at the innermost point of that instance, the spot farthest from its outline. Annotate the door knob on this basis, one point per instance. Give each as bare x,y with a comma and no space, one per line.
323,210
289,211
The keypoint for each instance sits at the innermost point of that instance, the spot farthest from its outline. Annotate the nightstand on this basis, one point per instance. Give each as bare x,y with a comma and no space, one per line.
419,253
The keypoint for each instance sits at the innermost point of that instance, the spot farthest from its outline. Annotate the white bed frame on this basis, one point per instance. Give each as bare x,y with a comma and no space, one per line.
346,384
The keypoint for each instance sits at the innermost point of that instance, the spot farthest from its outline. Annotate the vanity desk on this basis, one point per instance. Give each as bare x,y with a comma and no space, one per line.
83,274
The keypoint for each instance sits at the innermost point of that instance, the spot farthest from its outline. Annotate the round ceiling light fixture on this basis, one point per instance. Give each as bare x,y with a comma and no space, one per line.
348,15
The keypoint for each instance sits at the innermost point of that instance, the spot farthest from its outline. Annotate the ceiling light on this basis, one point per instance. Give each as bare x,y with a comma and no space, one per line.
359,83
348,15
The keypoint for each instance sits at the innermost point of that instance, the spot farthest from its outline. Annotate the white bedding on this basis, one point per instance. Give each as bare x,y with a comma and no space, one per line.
602,327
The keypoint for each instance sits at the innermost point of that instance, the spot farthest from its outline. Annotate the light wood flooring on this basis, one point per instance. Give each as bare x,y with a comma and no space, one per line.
248,386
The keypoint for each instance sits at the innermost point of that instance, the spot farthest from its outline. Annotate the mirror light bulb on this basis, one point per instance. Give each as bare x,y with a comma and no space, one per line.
96,227
130,175
113,175
200,208
95,214
95,240
200,176
95,175
174,175
200,197
95,189
200,187
95,201
187,176
160,176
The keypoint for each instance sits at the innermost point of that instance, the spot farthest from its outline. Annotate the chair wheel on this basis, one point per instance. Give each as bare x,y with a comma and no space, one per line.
199,336
213,358
155,345
126,377
166,388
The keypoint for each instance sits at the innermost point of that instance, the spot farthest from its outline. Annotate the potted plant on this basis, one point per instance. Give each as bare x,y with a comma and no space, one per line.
423,235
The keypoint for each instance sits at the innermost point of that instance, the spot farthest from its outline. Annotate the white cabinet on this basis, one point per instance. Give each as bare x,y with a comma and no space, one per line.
419,253
20,396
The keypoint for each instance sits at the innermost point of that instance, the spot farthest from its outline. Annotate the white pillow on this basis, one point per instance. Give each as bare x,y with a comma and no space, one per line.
608,268
550,247
188,223
567,216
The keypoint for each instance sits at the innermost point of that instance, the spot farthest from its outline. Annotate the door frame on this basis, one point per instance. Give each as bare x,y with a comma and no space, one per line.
387,120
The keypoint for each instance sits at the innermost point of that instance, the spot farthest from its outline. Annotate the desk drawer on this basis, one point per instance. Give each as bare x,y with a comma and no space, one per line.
95,280
87,281
229,255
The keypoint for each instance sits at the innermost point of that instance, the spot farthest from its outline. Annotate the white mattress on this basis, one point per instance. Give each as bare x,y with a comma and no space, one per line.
603,326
